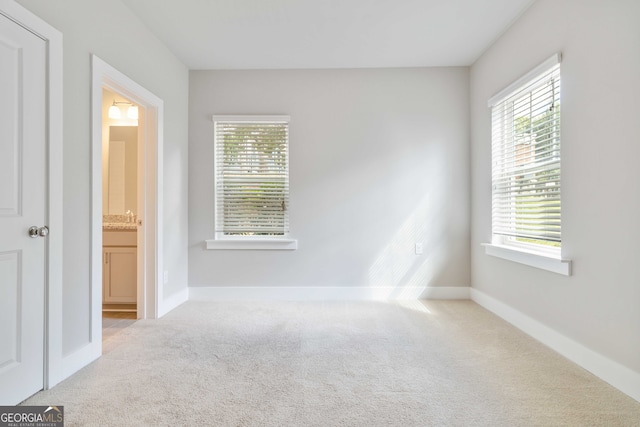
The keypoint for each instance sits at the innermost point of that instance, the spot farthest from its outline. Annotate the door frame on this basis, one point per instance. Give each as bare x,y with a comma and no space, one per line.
53,357
150,234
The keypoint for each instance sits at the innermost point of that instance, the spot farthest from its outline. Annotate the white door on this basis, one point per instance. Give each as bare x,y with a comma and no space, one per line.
22,205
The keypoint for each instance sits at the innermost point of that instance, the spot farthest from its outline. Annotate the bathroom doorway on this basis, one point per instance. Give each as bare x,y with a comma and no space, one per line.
146,217
121,155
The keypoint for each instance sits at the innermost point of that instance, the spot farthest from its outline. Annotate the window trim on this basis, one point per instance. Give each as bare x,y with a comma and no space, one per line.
252,243
226,242
538,256
496,99
529,257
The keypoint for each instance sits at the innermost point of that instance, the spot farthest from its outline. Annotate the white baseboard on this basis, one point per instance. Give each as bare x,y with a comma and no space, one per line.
322,293
72,363
446,292
619,376
171,302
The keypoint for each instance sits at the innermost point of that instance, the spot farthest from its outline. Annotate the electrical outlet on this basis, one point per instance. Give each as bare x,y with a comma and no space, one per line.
166,277
418,248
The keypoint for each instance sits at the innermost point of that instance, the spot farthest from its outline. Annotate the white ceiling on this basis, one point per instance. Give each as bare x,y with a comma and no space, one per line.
267,34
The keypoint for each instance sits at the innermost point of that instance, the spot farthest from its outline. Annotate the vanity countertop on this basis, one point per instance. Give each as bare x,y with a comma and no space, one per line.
119,223
119,226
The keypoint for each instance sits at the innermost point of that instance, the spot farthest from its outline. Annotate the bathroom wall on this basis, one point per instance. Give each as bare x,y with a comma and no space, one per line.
125,129
128,136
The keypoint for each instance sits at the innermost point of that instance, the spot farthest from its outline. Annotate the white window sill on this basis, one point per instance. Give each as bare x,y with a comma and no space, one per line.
530,258
253,244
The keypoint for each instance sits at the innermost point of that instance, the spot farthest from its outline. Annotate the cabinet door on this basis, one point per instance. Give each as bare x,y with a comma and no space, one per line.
119,275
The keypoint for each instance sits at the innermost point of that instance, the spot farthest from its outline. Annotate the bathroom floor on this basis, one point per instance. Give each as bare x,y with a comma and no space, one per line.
114,322
120,308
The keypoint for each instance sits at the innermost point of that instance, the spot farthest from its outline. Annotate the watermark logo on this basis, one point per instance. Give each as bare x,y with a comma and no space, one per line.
31,416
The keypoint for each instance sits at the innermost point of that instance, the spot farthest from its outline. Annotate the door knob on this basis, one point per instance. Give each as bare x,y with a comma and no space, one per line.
35,231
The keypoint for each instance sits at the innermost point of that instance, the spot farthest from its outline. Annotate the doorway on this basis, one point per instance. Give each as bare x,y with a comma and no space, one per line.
122,158
109,86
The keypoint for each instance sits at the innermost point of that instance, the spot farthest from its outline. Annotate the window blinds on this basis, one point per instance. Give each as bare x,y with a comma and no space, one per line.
526,158
252,175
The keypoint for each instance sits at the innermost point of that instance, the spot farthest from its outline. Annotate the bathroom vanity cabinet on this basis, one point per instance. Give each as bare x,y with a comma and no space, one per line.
119,267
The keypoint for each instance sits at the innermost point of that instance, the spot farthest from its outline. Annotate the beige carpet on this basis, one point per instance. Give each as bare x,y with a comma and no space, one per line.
435,363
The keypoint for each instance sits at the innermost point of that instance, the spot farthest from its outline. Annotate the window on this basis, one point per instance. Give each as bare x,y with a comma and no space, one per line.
526,203
251,177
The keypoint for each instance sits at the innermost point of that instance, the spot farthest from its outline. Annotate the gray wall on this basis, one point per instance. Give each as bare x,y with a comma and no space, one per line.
379,160
599,306
109,30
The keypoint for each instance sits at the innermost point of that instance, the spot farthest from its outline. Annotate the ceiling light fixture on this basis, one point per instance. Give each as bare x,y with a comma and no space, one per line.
114,111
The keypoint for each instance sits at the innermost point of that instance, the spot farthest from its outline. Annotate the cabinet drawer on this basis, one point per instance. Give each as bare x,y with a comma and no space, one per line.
119,238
